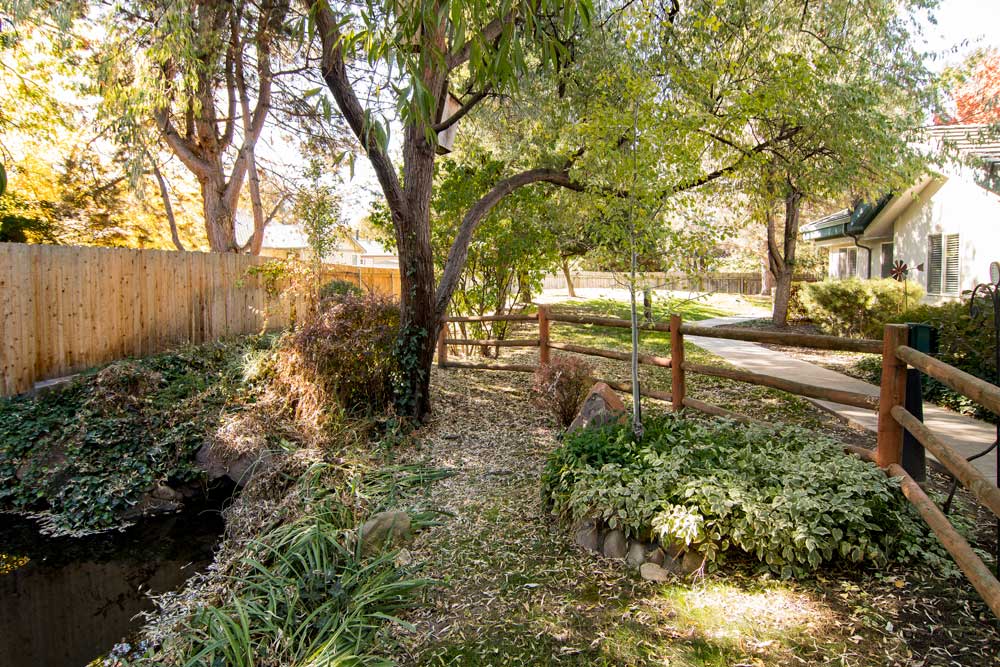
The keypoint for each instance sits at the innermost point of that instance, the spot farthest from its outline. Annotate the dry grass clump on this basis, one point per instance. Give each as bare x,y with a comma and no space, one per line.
561,386
124,383
340,363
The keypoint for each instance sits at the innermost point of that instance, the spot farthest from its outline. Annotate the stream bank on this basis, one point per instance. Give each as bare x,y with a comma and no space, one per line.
65,601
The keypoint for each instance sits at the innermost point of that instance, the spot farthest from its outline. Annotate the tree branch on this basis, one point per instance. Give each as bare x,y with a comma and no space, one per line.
491,31
165,195
460,247
466,108
335,75
181,148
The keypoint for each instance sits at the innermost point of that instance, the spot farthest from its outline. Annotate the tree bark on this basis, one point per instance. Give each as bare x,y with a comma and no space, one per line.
167,207
570,290
766,277
781,258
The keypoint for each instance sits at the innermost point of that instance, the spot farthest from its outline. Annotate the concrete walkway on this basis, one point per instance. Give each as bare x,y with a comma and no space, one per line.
968,436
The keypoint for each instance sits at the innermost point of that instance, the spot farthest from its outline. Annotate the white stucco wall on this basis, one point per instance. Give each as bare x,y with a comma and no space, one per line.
958,207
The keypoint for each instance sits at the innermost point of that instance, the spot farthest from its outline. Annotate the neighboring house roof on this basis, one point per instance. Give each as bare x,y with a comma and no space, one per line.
844,223
374,248
285,237
981,142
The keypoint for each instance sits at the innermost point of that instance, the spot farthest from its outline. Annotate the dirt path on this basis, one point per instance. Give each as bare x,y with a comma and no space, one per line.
516,591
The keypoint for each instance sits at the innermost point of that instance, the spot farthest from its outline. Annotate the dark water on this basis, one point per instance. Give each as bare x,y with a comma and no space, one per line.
65,601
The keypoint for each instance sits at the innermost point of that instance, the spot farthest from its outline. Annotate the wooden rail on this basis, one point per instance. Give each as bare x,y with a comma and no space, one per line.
975,570
606,322
781,338
984,490
710,409
981,391
486,342
490,366
812,391
493,318
649,359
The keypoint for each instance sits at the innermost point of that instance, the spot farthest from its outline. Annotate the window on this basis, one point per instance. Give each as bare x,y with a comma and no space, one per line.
887,260
847,262
942,264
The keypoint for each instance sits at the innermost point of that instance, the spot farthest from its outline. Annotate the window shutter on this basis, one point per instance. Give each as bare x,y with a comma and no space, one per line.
951,264
934,263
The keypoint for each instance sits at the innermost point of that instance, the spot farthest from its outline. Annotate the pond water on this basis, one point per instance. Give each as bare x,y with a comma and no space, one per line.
65,601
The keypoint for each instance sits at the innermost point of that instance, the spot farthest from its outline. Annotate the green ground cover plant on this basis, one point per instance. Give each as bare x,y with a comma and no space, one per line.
86,453
302,592
784,495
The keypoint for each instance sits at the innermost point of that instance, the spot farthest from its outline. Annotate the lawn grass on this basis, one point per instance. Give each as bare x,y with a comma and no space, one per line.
751,400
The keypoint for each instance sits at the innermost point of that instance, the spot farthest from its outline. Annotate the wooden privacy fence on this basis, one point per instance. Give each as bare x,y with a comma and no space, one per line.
893,418
64,309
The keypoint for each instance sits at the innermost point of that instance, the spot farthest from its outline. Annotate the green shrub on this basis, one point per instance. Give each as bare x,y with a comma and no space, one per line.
338,288
856,308
964,343
783,495
796,311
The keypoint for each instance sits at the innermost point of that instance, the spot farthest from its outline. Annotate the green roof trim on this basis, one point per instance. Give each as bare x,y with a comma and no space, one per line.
845,223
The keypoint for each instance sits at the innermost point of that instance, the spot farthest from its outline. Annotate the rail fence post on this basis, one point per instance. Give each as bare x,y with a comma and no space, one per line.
891,393
543,335
443,346
676,363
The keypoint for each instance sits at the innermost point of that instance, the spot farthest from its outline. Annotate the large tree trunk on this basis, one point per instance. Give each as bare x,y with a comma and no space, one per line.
570,291
766,277
781,259
219,215
420,319
782,295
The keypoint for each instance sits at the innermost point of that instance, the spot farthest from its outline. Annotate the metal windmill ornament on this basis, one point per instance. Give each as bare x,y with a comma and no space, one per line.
899,272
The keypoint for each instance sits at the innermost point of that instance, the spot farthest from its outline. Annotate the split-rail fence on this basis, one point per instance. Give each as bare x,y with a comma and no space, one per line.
893,417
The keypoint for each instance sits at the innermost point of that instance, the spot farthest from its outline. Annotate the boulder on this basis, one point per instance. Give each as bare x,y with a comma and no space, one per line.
615,544
636,555
385,529
692,562
602,406
655,555
218,461
588,535
653,572
163,492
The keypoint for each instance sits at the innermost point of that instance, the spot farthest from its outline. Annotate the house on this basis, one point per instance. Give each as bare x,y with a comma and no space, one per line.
284,240
945,227
376,254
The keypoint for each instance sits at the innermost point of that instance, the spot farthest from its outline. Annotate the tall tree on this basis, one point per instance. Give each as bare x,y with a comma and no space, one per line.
975,88
429,50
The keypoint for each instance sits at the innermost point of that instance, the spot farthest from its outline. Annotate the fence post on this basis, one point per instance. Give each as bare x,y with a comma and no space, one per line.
543,335
676,363
891,393
443,346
